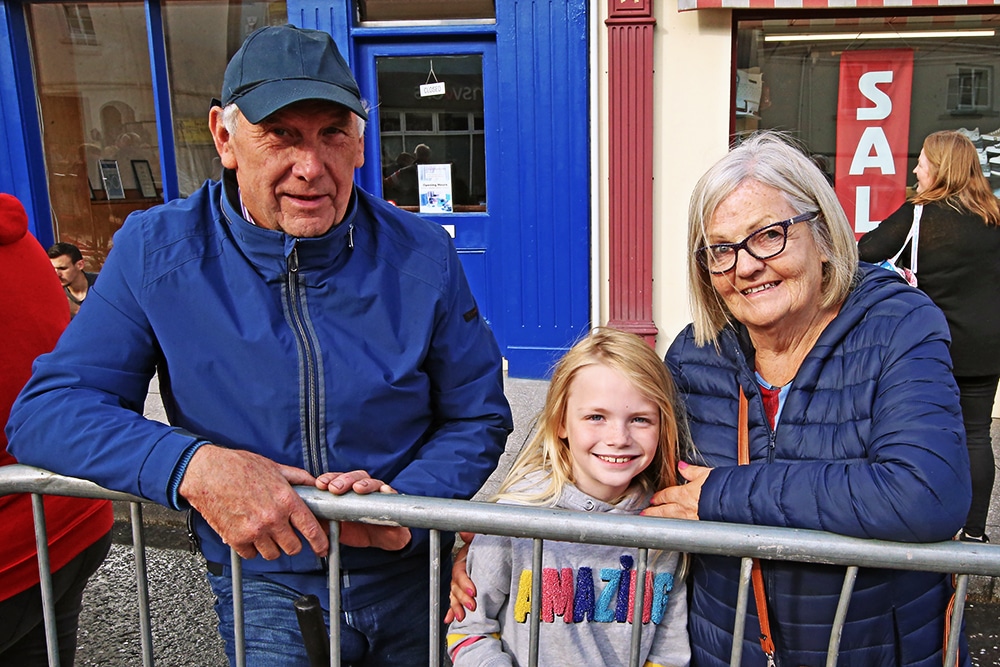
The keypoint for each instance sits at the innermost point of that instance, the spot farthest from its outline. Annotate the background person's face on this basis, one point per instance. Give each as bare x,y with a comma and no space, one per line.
296,167
66,269
925,173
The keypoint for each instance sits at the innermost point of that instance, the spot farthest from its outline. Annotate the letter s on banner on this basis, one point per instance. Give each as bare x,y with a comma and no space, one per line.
873,129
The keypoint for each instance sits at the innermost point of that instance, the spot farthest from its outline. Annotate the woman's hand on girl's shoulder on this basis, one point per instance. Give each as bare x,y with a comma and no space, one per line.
680,502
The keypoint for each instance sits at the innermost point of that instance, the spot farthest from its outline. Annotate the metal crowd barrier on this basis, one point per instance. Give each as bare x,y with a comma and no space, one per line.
746,542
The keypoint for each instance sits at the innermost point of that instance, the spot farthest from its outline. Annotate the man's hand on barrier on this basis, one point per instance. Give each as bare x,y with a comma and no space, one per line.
357,534
462,594
249,501
680,502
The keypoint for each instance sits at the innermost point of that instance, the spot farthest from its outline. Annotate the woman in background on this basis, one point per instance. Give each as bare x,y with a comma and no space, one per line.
958,263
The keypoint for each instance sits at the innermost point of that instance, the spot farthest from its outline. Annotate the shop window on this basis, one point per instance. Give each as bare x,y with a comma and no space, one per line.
861,92
201,37
443,129
98,121
424,10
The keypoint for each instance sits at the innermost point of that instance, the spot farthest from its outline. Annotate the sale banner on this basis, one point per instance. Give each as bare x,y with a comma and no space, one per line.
873,129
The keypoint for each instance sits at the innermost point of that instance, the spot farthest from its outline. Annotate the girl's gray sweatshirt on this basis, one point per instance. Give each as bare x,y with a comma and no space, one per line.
587,595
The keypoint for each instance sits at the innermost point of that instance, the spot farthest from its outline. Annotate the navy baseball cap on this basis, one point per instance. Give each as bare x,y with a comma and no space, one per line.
279,65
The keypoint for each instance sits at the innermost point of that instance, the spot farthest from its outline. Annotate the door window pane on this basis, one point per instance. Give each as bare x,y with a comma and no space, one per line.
98,122
201,37
432,129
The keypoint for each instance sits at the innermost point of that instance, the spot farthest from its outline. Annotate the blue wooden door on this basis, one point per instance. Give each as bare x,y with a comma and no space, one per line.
526,248
450,128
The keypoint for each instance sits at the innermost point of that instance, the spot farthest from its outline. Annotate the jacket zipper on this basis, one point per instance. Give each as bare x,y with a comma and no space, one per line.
312,449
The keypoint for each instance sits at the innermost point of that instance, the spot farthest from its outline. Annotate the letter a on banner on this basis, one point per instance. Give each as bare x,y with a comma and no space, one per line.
873,131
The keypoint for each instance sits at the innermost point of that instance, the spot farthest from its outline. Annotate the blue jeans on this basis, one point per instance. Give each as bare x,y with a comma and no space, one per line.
392,631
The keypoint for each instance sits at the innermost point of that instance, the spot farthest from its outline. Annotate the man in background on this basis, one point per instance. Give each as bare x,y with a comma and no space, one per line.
68,262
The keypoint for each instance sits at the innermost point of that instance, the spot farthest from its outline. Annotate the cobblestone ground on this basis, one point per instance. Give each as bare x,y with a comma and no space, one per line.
182,619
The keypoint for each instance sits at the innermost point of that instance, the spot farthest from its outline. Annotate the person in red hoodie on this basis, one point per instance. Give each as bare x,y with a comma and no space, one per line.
33,314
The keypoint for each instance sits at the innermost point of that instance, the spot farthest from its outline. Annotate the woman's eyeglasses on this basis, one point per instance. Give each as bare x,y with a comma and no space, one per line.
763,243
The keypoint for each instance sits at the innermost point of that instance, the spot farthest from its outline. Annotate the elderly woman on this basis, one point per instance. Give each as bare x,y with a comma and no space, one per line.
854,420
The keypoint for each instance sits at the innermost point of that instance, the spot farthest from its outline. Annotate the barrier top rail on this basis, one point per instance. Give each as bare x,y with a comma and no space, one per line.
702,537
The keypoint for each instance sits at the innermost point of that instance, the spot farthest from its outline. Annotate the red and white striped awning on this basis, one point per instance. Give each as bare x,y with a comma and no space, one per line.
683,5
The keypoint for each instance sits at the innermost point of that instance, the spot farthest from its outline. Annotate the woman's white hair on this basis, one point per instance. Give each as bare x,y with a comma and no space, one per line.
772,159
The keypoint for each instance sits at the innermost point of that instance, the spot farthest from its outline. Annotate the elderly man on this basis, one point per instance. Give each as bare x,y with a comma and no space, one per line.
305,332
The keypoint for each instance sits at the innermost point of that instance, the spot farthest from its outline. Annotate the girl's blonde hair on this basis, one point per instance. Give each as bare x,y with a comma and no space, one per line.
958,177
548,454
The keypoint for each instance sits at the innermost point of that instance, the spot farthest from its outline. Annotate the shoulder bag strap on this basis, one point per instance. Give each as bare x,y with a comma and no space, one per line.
912,234
743,458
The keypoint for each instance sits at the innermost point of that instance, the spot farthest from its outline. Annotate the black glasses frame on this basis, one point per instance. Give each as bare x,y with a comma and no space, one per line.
701,254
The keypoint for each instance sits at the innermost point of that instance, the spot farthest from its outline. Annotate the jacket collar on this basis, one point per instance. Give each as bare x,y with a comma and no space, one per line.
270,250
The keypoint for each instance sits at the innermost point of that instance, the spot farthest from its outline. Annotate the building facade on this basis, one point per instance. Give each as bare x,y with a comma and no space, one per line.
557,140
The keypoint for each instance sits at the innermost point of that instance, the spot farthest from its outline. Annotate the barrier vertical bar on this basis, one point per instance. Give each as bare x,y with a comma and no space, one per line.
45,579
142,582
638,609
239,636
841,616
536,600
334,585
739,628
435,599
951,650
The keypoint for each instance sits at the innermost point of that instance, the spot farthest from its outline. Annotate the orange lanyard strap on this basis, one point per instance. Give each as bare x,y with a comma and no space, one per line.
743,458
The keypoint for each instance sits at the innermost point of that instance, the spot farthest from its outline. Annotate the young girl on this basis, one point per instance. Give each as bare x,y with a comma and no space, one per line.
606,441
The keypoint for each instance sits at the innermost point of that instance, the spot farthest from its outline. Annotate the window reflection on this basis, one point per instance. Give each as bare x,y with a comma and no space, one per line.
96,106
200,38
797,80
439,129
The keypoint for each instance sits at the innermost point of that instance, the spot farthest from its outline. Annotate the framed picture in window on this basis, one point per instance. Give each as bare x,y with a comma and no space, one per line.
112,179
144,178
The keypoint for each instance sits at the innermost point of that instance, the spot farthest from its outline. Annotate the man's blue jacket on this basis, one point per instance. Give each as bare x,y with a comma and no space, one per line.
869,444
360,349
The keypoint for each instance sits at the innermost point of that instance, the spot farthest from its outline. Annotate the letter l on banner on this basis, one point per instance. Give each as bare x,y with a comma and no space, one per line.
873,129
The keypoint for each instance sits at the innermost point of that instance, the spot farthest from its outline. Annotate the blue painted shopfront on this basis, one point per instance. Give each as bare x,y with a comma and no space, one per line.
526,249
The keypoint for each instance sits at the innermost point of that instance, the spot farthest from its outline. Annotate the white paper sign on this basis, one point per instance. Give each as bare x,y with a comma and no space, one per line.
431,89
434,185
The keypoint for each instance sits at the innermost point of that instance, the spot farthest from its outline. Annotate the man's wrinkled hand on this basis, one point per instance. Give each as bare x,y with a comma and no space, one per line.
249,501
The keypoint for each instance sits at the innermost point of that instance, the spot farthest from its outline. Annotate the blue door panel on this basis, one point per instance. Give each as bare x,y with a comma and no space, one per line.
475,263
544,171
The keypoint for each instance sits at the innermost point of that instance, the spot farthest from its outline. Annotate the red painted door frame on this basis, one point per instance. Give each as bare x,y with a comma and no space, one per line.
630,112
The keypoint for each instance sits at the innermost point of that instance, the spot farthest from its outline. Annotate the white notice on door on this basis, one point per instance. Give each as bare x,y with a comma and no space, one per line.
434,186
